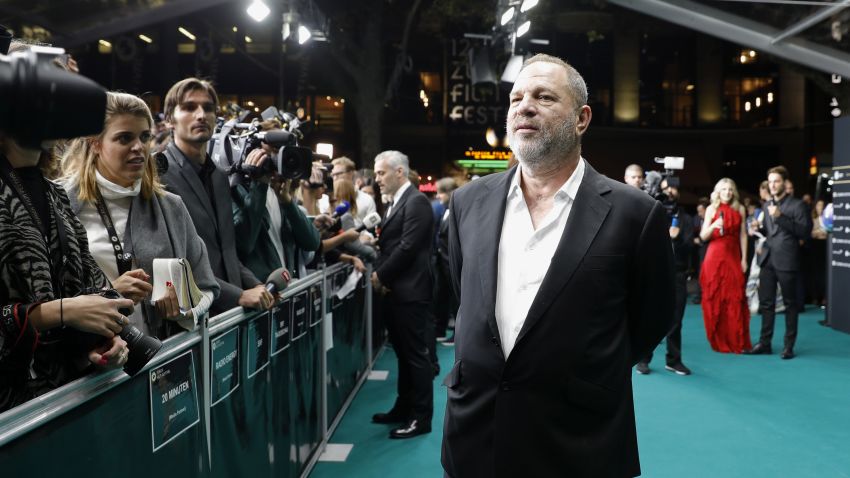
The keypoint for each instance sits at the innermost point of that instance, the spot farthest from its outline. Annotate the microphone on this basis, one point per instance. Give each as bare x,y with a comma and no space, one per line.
278,280
721,223
370,221
341,209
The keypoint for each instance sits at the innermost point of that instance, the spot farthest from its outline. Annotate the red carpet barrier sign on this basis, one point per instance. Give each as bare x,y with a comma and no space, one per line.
174,399
839,299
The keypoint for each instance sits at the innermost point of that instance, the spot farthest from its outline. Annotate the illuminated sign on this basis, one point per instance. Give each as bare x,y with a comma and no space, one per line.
428,187
478,155
483,164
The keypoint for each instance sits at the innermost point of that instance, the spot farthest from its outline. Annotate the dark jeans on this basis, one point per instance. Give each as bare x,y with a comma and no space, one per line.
674,337
787,280
408,324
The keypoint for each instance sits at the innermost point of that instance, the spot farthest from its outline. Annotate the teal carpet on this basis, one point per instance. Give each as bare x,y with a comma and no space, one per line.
736,416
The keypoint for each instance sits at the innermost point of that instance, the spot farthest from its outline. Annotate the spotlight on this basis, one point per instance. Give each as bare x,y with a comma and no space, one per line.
528,5
747,106
258,10
770,97
145,38
512,69
248,39
325,148
303,34
105,43
508,16
523,29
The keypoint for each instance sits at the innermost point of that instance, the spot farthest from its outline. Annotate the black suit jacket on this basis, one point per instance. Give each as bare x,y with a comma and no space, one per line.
561,404
404,265
214,225
783,234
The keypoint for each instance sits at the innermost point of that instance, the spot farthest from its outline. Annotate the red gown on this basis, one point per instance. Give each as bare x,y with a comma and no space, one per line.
724,302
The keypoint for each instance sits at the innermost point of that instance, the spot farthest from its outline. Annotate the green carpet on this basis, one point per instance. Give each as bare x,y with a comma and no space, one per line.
736,416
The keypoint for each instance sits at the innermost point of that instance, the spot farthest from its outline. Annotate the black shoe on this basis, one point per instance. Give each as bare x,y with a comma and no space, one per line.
788,354
824,322
679,369
759,349
411,429
393,416
450,342
642,368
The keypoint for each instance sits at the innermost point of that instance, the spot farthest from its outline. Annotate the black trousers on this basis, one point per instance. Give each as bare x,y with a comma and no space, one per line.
787,280
674,337
408,324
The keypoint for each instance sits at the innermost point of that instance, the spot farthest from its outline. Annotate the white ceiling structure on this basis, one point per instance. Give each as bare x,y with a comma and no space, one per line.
802,40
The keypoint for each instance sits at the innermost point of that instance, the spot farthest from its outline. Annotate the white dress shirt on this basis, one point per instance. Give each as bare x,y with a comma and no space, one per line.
365,205
397,196
276,220
525,253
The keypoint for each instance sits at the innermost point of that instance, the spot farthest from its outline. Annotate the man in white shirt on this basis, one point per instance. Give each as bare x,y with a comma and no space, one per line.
343,168
565,280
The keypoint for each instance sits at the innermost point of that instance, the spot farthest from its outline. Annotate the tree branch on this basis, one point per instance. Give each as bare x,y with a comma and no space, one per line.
392,81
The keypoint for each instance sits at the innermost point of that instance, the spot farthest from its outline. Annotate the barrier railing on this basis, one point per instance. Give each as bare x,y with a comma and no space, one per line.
251,394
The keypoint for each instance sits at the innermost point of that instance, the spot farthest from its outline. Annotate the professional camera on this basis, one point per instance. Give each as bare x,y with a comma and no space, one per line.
142,347
40,101
233,140
653,180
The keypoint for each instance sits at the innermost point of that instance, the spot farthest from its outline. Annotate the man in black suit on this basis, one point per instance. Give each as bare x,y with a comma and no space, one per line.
785,223
190,111
403,275
565,280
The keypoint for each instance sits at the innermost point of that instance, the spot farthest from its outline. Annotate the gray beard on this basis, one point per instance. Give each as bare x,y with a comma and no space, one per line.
547,152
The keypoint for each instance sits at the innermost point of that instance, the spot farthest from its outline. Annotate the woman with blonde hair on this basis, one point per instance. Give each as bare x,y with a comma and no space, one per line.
724,304
130,219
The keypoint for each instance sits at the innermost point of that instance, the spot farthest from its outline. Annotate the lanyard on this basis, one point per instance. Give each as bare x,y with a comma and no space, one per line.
122,259
11,178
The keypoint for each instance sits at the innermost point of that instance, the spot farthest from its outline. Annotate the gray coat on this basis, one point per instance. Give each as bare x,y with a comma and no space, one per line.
214,223
162,228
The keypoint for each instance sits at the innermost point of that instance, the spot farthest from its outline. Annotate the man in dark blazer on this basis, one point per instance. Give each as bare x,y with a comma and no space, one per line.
786,222
565,280
190,111
403,274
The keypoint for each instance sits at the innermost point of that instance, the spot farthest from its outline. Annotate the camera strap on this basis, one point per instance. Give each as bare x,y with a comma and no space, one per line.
122,259
11,178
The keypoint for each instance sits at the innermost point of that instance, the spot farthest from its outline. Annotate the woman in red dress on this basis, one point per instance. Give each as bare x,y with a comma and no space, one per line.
724,303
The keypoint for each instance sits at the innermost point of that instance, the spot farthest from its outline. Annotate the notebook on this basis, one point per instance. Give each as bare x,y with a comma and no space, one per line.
179,273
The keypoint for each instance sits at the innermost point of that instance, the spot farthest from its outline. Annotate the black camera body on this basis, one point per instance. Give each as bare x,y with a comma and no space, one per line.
233,141
37,98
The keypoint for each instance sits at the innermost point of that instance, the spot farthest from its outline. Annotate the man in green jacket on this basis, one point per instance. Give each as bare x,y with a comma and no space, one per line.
269,224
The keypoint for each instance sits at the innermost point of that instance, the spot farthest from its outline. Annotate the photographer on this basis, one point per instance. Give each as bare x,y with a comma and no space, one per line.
46,268
682,235
190,107
268,222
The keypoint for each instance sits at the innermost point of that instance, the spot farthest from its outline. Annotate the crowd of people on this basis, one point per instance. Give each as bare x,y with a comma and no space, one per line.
747,256
557,278
88,215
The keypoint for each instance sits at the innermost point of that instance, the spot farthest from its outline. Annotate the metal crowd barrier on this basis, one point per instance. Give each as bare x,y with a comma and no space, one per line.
252,394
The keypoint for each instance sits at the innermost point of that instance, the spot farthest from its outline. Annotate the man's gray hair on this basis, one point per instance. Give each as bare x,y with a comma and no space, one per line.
395,159
575,83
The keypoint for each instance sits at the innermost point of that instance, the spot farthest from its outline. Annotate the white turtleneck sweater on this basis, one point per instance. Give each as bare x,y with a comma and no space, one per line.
118,200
